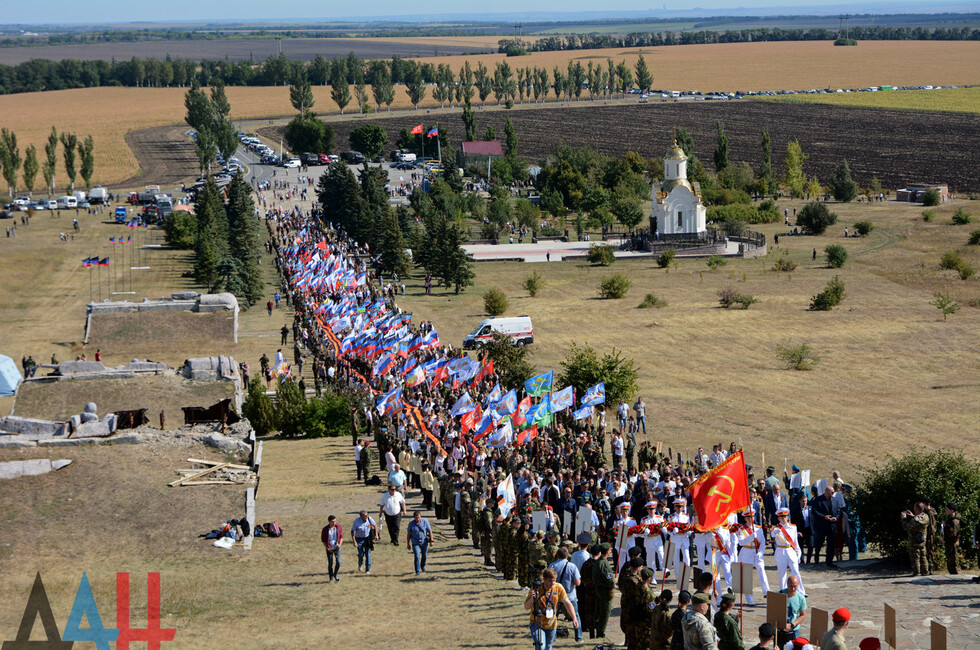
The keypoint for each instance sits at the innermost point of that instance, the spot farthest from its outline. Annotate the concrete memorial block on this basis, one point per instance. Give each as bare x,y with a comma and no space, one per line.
31,428
88,418
94,429
91,408
69,368
16,442
185,295
33,467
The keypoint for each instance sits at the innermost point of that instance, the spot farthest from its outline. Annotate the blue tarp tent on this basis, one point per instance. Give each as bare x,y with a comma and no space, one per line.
9,376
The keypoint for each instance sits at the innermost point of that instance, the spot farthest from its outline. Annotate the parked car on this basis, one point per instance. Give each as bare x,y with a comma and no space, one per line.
291,163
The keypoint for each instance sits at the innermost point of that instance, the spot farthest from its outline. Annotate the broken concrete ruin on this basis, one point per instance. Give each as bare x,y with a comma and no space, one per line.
183,301
34,467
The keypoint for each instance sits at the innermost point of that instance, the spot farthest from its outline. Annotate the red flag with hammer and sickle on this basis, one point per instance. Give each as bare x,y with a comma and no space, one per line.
720,492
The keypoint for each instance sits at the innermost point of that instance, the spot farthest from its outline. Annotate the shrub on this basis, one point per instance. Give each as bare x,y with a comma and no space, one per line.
290,408
815,218
729,297
652,300
494,302
768,212
830,297
785,265
928,215
664,259
715,262
863,228
945,304
615,286
533,284
836,255
941,476
961,217
725,214
797,357
583,367
180,229
601,254
510,362
259,410
931,197
327,416
974,238
966,271
951,260
842,186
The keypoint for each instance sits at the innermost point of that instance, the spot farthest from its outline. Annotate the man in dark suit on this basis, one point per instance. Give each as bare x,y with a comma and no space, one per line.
774,500
801,517
825,513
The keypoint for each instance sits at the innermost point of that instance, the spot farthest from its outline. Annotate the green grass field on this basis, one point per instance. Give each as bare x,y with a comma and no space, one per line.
950,100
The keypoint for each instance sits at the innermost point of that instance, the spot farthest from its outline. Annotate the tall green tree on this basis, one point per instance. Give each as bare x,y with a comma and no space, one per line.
31,168
469,122
794,178
458,269
9,158
219,100
644,78
369,139
510,138
465,84
86,158
842,186
50,160
483,82
383,89
392,247
339,86
415,86
721,150
301,93
69,143
211,239
360,91
319,70
625,76
626,207
765,171
244,242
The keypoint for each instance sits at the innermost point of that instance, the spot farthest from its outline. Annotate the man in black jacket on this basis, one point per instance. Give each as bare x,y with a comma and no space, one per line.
801,517
825,513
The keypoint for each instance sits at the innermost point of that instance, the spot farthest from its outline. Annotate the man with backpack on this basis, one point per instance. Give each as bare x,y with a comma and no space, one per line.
365,532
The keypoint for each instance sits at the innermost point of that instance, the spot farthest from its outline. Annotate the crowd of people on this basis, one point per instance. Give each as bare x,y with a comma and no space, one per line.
543,505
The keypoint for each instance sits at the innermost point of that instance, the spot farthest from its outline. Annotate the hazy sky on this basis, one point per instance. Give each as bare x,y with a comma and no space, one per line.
122,11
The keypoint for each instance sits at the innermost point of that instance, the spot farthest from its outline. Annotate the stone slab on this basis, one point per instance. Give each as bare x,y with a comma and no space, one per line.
16,442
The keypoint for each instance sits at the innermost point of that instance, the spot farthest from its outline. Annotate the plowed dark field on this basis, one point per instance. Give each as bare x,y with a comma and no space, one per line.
898,147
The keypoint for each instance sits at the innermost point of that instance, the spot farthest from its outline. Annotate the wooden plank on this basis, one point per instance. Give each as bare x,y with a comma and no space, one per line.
819,623
198,475
776,609
891,636
210,483
212,462
937,637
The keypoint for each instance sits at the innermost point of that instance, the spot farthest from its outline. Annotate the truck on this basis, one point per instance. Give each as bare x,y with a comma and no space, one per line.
165,206
518,329
352,157
122,214
98,194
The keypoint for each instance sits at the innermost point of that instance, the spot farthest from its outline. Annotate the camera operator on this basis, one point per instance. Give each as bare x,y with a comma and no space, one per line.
542,601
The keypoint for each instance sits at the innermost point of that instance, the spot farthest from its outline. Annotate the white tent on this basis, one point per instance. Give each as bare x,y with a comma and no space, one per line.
9,376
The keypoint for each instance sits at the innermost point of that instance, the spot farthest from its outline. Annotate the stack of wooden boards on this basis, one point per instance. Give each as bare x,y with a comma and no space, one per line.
215,473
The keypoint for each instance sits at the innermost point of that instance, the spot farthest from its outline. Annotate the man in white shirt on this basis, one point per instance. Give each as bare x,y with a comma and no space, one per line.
358,450
654,543
389,460
392,508
623,412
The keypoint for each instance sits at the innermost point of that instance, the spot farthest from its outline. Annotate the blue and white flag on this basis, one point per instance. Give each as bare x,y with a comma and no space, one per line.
582,413
508,403
502,436
595,395
463,405
493,397
562,399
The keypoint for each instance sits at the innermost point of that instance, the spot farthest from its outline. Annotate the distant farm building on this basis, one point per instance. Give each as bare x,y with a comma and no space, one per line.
479,151
914,193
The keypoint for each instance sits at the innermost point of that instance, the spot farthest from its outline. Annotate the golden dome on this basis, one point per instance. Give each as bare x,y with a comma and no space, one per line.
676,153
668,185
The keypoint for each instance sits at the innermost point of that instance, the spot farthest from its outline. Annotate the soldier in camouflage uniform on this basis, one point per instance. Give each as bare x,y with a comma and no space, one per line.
465,503
495,533
486,533
644,605
551,546
521,545
507,549
475,510
535,549
628,583
586,594
443,501
916,524
662,630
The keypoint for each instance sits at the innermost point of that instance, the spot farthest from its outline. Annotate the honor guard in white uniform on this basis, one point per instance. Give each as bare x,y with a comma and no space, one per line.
680,542
787,548
654,543
751,551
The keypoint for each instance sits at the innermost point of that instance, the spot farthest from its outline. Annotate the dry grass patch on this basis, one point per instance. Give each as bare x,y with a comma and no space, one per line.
163,332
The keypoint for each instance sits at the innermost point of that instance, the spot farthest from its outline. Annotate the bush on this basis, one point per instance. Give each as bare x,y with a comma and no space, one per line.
863,228
601,254
836,255
180,229
310,134
842,186
615,286
830,297
797,357
942,476
945,304
327,416
928,215
931,197
815,218
494,302
583,367
961,217
737,212
652,300
290,408
533,284
952,261
785,265
768,212
715,262
729,298
974,238
258,408
664,259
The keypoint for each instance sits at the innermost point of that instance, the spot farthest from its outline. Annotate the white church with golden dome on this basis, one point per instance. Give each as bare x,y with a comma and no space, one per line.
676,202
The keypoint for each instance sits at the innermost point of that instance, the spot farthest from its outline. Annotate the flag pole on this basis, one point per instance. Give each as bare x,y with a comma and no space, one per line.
100,277
90,282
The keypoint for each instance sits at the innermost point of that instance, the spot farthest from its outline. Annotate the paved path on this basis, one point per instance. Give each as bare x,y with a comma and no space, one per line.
558,250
